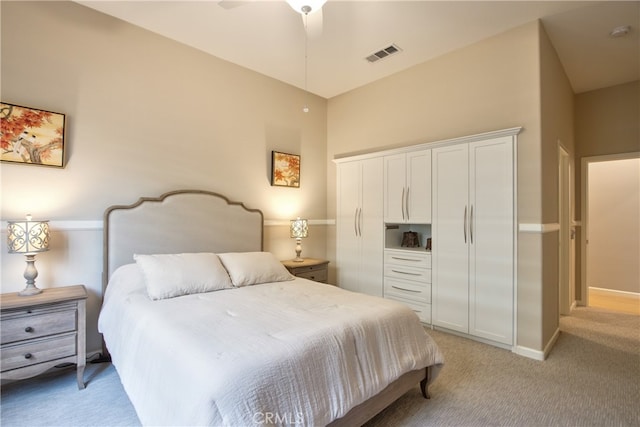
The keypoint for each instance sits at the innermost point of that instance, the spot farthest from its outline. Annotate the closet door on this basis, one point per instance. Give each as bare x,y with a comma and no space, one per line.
371,228
450,255
418,198
359,234
491,238
347,237
395,188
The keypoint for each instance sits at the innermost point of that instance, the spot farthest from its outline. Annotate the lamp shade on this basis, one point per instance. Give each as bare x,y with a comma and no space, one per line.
299,228
28,236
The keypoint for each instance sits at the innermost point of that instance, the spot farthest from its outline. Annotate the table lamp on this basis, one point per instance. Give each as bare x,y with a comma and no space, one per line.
28,237
299,229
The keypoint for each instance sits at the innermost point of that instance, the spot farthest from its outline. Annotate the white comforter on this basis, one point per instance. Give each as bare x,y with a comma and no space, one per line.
296,352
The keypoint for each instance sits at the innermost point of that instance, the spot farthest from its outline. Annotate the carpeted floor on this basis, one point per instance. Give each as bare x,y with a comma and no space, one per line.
591,378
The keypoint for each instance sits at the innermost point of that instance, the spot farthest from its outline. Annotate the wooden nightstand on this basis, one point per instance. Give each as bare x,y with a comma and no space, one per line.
310,268
41,331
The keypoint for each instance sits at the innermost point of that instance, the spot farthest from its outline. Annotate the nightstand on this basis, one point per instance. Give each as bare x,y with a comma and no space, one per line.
310,268
41,331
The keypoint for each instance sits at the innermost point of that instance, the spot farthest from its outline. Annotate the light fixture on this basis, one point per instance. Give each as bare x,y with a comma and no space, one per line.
306,7
28,237
620,31
299,230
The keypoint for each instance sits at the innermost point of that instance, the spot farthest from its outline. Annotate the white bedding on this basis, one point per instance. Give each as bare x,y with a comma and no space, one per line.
294,352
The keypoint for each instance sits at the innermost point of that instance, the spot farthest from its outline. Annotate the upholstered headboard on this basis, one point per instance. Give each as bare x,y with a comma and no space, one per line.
177,222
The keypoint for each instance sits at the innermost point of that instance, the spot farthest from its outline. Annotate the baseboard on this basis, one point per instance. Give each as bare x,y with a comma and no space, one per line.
614,292
538,354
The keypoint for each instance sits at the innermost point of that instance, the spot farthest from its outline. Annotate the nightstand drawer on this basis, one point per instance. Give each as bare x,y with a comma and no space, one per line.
319,275
38,351
21,326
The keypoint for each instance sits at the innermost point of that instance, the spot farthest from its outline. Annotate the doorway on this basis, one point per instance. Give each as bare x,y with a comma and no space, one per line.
611,234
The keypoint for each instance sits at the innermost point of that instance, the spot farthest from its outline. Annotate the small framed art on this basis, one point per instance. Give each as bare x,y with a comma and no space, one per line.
285,169
31,136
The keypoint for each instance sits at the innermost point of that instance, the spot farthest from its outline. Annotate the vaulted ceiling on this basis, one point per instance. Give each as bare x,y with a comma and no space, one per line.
269,36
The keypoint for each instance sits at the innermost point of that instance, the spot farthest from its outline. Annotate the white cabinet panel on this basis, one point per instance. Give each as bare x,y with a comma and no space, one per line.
407,187
473,238
360,226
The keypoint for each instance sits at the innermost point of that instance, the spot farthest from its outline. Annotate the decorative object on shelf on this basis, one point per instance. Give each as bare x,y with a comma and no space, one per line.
285,169
428,247
28,237
299,230
31,136
410,239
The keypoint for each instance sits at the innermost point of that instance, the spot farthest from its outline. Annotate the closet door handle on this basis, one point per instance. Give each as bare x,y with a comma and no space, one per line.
360,223
355,222
402,204
471,225
464,226
406,203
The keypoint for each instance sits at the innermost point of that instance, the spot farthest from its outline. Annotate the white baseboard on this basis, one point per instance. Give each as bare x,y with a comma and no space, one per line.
615,292
537,354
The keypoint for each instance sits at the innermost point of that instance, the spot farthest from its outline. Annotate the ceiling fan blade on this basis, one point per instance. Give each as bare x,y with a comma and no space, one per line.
313,24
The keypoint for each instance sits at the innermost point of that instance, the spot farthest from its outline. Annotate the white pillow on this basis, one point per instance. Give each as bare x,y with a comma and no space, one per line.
253,268
172,275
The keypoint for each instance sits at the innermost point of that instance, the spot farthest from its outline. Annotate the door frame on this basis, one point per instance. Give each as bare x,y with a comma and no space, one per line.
566,287
584,203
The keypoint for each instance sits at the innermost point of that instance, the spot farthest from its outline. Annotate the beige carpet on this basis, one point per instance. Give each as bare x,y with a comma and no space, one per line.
591,378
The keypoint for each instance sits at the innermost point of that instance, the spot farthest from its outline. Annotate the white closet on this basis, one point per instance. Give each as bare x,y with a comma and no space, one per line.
407,187
473,238
359,225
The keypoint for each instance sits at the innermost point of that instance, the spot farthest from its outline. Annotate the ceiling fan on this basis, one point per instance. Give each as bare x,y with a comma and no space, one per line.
311,11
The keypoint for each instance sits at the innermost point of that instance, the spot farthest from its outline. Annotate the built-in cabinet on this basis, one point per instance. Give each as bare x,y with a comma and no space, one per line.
359,230
473,238
459,196
407,187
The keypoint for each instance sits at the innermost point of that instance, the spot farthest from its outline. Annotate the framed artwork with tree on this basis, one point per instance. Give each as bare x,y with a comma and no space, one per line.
31,136
285,169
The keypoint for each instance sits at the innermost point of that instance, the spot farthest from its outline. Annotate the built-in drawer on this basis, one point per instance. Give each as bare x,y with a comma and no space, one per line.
414,291
319,275
37,351
423,310
407,273
408,258
25,325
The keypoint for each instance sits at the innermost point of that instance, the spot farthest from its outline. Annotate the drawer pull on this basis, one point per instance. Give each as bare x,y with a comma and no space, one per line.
406,272
28,329
405,259
403,289
27,356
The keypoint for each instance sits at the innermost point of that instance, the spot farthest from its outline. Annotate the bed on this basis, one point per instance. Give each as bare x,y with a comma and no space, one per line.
204,328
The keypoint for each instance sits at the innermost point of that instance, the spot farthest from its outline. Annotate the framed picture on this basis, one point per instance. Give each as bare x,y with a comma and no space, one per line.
31,136
285,169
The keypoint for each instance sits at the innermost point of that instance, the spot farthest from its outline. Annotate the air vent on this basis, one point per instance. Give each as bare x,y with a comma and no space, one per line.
383,53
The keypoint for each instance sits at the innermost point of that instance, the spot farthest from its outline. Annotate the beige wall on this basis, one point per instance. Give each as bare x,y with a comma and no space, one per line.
614,225
607,121
557,129
145,115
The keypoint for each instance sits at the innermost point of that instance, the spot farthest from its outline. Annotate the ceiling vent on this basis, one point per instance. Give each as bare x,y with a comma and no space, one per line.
383,53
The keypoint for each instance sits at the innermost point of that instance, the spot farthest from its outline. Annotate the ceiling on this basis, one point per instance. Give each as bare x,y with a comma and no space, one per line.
269,36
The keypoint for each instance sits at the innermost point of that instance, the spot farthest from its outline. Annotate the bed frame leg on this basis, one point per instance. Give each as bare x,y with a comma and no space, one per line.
423,384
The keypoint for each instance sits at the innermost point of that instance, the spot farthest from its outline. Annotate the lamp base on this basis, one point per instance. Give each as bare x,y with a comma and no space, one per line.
30,290
297,259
